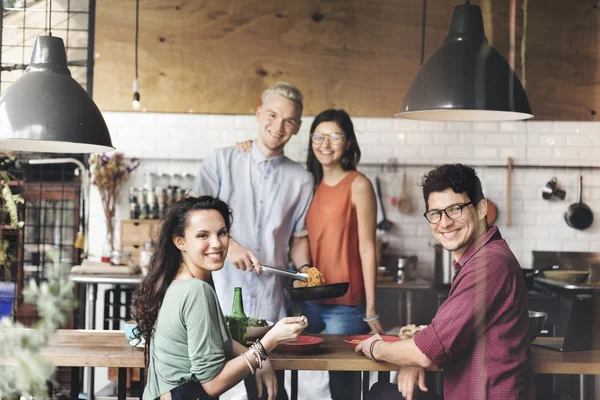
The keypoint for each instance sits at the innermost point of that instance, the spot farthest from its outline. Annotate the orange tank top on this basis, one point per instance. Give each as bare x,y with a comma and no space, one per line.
333,235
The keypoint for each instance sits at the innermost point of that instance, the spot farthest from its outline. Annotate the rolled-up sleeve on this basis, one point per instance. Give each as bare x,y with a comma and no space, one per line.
208,336
475,301
208,181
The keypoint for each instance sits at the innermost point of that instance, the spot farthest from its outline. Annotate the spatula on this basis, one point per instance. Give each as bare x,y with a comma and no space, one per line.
385,224
404,205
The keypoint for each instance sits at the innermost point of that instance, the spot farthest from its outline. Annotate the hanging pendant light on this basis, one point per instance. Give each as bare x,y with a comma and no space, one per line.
136,82
466,79
46,110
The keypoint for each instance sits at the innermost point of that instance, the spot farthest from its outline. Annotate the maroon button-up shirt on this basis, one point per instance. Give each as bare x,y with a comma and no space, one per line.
479,335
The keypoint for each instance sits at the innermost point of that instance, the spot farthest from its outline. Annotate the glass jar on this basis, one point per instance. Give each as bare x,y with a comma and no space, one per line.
145,256
121,258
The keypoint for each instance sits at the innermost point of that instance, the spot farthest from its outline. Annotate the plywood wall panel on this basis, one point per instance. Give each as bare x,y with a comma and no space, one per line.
216,56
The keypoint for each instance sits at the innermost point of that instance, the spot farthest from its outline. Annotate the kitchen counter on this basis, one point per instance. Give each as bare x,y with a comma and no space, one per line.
417,284
580,287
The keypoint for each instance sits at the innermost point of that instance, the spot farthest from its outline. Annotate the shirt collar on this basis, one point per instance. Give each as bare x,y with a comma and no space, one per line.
258,157
475,246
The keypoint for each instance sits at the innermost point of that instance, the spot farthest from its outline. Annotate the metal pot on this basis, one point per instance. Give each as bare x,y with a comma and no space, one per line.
443,270
407,268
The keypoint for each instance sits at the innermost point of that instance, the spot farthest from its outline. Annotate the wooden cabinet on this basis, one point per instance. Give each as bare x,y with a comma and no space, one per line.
134,232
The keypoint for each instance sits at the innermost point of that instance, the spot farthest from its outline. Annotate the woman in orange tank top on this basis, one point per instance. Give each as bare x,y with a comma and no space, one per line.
341,224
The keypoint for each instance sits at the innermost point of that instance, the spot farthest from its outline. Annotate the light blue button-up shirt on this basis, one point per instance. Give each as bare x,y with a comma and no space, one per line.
269,199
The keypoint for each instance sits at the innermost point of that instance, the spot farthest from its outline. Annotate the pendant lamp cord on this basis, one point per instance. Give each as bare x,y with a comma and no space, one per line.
423,28
137,28
50,20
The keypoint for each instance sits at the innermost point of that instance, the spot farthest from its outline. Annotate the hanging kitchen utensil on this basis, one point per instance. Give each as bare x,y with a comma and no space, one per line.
317,292
385,224
509,192
286,272
404,204
492,212
579,215
551,190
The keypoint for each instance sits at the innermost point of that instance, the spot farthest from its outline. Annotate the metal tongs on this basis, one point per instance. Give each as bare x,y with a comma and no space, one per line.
302,276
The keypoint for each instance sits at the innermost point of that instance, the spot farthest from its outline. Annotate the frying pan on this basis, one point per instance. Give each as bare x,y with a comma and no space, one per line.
579,215
492,212
317,292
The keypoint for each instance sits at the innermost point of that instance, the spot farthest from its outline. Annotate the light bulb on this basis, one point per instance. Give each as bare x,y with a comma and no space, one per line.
136,95
136,101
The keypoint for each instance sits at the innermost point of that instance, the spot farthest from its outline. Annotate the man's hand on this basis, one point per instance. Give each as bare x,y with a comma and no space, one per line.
408,378
267,376
365,346
244,146
242,258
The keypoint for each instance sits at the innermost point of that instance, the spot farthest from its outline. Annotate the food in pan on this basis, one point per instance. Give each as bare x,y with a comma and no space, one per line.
409,331
315,278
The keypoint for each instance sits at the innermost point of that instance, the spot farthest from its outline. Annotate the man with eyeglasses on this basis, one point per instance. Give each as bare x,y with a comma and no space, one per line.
479,336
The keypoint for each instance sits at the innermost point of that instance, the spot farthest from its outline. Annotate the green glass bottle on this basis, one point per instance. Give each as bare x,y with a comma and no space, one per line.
238,321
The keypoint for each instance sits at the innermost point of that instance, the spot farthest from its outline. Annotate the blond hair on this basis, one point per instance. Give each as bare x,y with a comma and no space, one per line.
287,90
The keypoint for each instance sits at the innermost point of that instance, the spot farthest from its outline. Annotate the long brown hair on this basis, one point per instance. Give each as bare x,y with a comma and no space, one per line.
165,263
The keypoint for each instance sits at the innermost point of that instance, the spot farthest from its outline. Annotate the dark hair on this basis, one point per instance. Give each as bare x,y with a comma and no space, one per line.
165,262
351,155
459,177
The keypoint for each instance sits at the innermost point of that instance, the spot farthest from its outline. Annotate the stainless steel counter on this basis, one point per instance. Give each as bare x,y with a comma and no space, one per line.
584,287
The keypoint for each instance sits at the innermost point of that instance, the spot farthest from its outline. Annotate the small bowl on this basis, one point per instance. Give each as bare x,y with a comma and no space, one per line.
567,276
258,332
536,323
131,329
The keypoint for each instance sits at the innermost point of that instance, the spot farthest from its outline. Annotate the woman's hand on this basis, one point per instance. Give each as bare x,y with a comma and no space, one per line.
365,346
407,378
266,376
245,146
376,327
285,331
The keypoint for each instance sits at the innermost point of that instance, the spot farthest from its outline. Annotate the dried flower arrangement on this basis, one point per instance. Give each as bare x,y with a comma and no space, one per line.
108,173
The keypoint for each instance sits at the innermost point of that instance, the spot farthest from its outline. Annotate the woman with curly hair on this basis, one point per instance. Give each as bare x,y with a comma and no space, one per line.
189,352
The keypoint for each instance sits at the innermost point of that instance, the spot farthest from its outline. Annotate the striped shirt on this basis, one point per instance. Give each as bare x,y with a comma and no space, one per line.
269,199
479,336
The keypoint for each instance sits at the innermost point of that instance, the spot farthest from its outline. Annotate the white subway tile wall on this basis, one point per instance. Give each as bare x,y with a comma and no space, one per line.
176,143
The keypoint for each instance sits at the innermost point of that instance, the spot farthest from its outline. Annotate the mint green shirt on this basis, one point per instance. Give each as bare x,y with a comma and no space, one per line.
191,340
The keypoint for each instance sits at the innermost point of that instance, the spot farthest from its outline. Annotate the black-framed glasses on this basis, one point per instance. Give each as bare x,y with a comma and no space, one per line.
334,137
453,212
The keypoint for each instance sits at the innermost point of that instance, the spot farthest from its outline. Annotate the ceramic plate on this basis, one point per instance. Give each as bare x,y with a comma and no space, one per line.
304,344
356,339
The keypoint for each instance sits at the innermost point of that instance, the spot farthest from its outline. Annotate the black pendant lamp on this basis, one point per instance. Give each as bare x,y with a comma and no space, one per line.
46,110
466,79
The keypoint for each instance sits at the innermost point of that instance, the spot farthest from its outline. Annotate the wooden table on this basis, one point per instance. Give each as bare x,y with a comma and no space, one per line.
85,348
88,306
